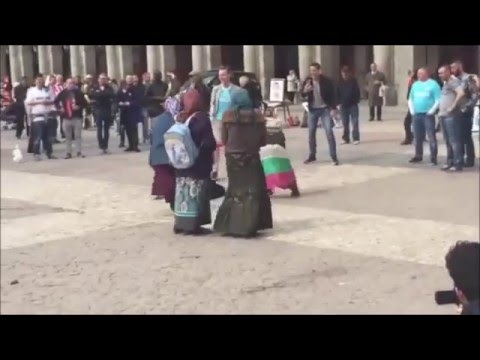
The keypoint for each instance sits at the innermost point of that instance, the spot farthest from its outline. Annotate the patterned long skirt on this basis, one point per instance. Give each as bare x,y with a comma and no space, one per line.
192,204
246,208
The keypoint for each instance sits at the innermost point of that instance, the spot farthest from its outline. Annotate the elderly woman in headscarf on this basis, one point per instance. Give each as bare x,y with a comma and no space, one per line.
246,208
164,179
192,200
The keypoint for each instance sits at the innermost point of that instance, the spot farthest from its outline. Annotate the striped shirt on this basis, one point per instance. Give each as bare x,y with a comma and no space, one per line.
57,89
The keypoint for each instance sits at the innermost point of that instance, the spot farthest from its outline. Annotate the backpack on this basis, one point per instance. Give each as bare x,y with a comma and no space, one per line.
181,150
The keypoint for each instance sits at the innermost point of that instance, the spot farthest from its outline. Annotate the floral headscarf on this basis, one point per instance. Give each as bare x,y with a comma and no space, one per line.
172,105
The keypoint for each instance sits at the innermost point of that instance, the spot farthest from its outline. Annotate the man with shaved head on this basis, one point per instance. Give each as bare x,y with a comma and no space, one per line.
423,102
449,114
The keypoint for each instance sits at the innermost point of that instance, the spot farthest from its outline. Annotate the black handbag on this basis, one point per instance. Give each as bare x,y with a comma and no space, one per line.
216,190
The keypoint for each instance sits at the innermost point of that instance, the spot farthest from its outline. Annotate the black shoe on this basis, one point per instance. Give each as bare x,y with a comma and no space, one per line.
176,230
19,137
406,142
335,162
68,156
122,145
379,119
433,163
105,151
51,157
469,164
137,150
310,160
446,167
128,149
415,160
56,141
200,231
79,154
371,119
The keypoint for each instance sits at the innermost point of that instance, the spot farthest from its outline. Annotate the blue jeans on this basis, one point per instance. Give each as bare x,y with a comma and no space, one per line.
452,132
327,122
425,124
41,134
468,148
103,129
350,114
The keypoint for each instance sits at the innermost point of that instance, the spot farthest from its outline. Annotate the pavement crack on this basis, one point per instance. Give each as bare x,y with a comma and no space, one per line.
260,288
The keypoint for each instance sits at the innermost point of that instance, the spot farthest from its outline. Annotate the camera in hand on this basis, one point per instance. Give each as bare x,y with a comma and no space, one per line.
446,297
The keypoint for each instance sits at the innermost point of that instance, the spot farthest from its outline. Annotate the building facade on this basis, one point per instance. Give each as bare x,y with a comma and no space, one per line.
267,61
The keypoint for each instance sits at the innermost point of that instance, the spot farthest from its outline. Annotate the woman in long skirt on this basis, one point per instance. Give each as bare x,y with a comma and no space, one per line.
246,208
164,179
192,185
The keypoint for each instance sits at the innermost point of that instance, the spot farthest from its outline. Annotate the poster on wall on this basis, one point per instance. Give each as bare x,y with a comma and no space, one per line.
277,90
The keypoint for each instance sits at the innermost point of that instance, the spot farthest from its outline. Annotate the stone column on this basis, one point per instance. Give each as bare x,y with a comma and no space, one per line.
329,58
213,56
432,57
167,58
153,58
75,60
89,55
113,69
3,60
50,59
305,58
125,60
407,57
21,62
44,60
265,67
198,63
250,58
383,57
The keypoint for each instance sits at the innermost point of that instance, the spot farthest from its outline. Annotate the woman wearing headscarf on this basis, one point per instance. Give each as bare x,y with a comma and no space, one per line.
246,208
164,178
192,201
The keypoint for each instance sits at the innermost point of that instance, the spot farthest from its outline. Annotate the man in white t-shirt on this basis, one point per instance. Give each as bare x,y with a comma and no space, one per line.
40,101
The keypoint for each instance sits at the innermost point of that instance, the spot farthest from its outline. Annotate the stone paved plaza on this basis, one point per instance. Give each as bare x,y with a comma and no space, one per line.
367,237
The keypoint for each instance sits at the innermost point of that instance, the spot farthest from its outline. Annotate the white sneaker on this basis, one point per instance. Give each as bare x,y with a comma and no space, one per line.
356,142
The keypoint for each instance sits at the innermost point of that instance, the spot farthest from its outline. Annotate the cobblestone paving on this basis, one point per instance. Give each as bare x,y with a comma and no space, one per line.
369,236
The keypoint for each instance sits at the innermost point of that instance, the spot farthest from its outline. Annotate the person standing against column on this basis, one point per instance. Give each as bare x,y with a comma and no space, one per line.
102,96
134,113
348,96
57,89
292,86
40,100
449,114
220,101
19,95
375,80
467,107
423,102
71,102
319,91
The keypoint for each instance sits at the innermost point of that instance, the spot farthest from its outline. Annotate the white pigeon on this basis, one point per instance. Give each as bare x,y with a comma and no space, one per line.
17,154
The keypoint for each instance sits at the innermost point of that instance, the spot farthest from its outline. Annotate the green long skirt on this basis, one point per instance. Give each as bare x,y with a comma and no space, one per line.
246,208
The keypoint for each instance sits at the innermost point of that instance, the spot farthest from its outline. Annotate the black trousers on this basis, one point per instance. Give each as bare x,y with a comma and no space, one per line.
52,125
62,133
41,135
20,115
407,124
379,112
132,134
122,126
103,121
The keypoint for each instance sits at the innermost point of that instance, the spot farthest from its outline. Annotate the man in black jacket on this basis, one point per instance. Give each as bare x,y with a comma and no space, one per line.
156,94
348,96
19,95
319,91
71,102
102,96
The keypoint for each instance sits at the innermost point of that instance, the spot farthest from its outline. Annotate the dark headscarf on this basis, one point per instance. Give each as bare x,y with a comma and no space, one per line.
191,103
